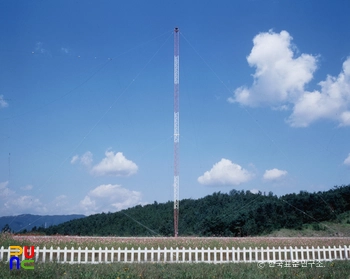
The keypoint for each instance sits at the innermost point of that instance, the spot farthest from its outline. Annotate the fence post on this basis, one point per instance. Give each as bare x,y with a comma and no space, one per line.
106,254
346,252
79,255
65,254
36,254
72,255
318,253
296,255
2,253
158,254
302,253
44,254
324,253
58,254
93,255
51,253
291,253
285,253
139,254
99,254
86,254
329,252
126,255
8,253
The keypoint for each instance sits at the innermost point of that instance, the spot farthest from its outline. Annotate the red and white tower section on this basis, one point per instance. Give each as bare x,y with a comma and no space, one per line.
176,131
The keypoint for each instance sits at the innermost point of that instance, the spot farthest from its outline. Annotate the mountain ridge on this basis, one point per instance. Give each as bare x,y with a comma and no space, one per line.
29,221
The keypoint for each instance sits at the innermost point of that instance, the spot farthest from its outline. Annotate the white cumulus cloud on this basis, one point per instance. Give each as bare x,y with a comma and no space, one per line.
109,197
85,159
274,174
225,173
279,75
14,204
331,102
104,198
3,103
26,203
347,160
115,164
280,78
4,190
75,159
254,191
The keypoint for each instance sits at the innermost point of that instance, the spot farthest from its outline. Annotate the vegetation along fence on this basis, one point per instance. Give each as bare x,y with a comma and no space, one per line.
207,255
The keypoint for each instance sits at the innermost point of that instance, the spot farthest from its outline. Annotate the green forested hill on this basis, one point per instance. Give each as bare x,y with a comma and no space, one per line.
237,213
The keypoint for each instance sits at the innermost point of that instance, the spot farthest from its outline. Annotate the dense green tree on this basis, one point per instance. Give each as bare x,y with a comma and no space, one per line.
6,229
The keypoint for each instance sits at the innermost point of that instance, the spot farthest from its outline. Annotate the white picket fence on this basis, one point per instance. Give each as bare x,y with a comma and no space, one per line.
164,255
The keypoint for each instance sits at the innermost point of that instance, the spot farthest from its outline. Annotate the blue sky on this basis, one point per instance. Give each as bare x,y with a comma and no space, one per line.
86,101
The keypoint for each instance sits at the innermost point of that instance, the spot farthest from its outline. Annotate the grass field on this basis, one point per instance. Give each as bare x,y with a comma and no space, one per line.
335,269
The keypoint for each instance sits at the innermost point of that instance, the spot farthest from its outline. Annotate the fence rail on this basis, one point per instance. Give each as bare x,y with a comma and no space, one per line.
214,255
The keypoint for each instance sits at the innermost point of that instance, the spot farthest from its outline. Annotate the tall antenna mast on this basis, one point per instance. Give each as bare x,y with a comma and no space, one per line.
176,131
9,166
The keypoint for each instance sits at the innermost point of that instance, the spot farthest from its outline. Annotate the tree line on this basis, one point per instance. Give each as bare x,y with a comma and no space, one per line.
237,213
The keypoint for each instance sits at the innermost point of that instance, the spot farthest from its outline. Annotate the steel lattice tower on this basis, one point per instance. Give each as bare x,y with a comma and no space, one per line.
176,131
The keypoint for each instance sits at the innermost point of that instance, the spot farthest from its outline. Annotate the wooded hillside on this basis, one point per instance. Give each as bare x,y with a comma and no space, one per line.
237,213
